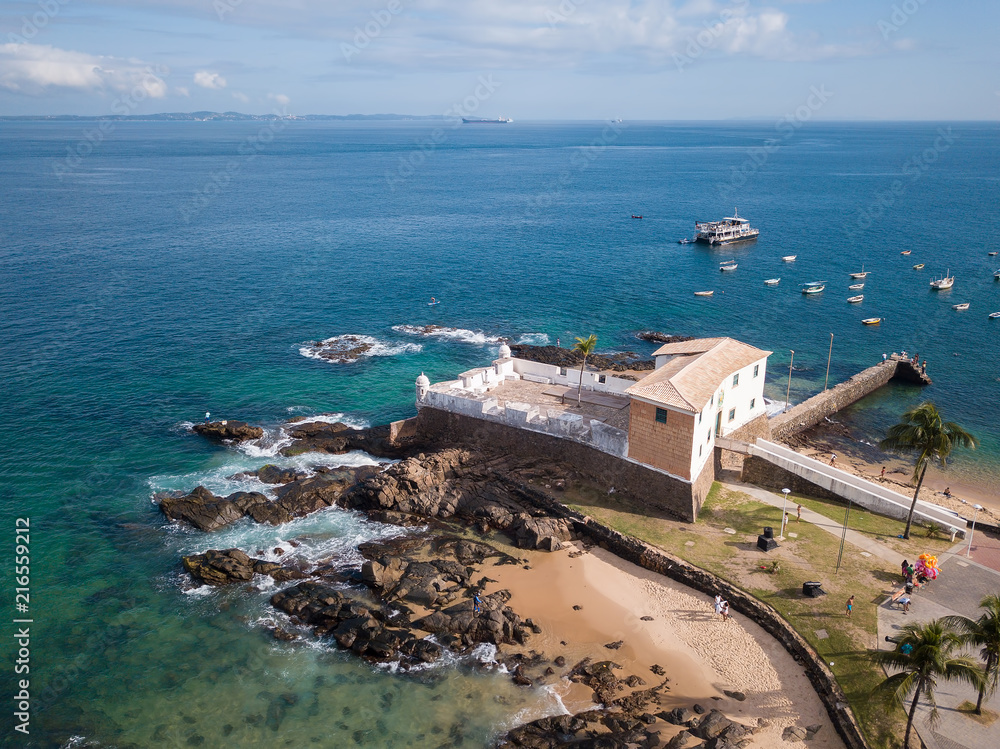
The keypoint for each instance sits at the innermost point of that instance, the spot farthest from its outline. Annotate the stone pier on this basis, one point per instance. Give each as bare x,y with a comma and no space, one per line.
812,411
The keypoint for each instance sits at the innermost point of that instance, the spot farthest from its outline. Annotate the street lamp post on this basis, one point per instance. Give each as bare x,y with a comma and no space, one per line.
843,538
975,515
784,503
828,359
789,390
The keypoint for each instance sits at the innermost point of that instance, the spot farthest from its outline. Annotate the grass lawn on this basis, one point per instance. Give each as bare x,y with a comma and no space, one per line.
811,555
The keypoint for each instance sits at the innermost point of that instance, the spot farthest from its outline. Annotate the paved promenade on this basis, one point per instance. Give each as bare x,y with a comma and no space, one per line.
963,583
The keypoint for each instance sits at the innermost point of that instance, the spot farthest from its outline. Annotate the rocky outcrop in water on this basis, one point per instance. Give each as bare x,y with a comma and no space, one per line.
207,512
216,567
338,438
567,357
228,431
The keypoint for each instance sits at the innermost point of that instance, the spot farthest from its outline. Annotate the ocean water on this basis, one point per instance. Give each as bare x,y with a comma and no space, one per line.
178,268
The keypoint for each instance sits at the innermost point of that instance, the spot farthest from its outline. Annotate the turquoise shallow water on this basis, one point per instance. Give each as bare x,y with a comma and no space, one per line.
126,317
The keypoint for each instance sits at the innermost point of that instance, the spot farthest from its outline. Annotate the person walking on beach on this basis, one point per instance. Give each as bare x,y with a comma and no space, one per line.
882,476
718,604
725,611
850,606
833,458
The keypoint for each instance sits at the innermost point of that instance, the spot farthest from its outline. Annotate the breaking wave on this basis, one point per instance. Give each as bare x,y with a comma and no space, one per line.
347,349
461,335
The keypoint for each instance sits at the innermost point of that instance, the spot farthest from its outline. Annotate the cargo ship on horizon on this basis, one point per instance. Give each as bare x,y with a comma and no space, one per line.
482,121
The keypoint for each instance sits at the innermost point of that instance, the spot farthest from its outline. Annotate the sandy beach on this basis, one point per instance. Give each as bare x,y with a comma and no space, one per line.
583,602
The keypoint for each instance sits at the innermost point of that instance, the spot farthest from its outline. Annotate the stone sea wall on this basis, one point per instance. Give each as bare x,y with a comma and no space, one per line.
651,487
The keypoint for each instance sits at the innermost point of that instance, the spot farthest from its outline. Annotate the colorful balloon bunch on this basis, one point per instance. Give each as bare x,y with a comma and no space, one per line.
927,566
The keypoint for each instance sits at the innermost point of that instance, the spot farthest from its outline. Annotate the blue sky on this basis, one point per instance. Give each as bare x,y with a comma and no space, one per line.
560,59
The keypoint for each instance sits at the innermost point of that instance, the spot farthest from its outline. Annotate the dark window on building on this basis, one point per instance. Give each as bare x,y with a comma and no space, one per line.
562,371
756,369
602,378
753,401
661,415
732,414
736,379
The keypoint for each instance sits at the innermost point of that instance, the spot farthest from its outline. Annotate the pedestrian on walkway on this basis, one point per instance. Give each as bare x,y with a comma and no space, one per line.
725,610
883,473
833,458
905,566
798,513
850,606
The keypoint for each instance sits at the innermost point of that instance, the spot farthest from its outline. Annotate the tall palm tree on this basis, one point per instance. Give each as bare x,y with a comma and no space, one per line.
586,347
924,432
925,653
984,632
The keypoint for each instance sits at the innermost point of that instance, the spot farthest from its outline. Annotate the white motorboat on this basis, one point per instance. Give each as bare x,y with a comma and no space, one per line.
704,293
945,282
960,307
872,321
994,315
856,286
856,299
789,258
728,266
813,287
772,282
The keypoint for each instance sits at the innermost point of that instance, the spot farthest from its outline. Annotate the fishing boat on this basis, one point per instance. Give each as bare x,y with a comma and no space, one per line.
685,241
772,282
636,216
871,321
945,282
856,286
918,266
994,315
960,307
905,252
704,293
730,229
789,258
992,254
861,273
997,274
728,265
813,287
856,299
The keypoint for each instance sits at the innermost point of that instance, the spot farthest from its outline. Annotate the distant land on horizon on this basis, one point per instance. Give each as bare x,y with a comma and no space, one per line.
211,116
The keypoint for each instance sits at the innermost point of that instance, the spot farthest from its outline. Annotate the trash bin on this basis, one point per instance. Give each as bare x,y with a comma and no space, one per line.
813,589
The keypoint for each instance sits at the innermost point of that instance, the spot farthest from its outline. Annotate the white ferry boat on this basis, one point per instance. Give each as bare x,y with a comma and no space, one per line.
730,229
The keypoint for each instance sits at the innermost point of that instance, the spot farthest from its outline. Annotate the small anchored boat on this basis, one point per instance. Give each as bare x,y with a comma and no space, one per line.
861,273
728,266
685,241
871,321
961,307
945,282
992,254
994,315
905,252
704,293
856,286
918,266
856,299
813,287
772,282
997,275
635,216
789,258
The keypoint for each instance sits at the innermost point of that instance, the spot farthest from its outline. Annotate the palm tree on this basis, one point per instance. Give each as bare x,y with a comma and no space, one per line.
985,632
923,431
586,347
925,653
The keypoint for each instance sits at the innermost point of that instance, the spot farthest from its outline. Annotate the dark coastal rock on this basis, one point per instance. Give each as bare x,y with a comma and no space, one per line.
339,438
207,512
567,357
712,725
653,336
272,474
495,622
367,630
227,566
236,431
600,677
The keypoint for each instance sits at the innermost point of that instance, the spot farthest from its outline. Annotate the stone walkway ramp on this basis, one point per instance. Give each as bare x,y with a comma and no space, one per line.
958,590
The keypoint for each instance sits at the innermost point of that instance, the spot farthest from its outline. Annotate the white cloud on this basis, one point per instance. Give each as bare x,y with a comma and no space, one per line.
206,79
241,97
182,91
280,98
35,69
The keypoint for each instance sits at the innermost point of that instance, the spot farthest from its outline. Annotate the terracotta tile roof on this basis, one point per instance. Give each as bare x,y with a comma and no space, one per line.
691,377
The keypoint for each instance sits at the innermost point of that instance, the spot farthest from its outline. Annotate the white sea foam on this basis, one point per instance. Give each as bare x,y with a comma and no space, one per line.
461,335
534,339
335,418
347,349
